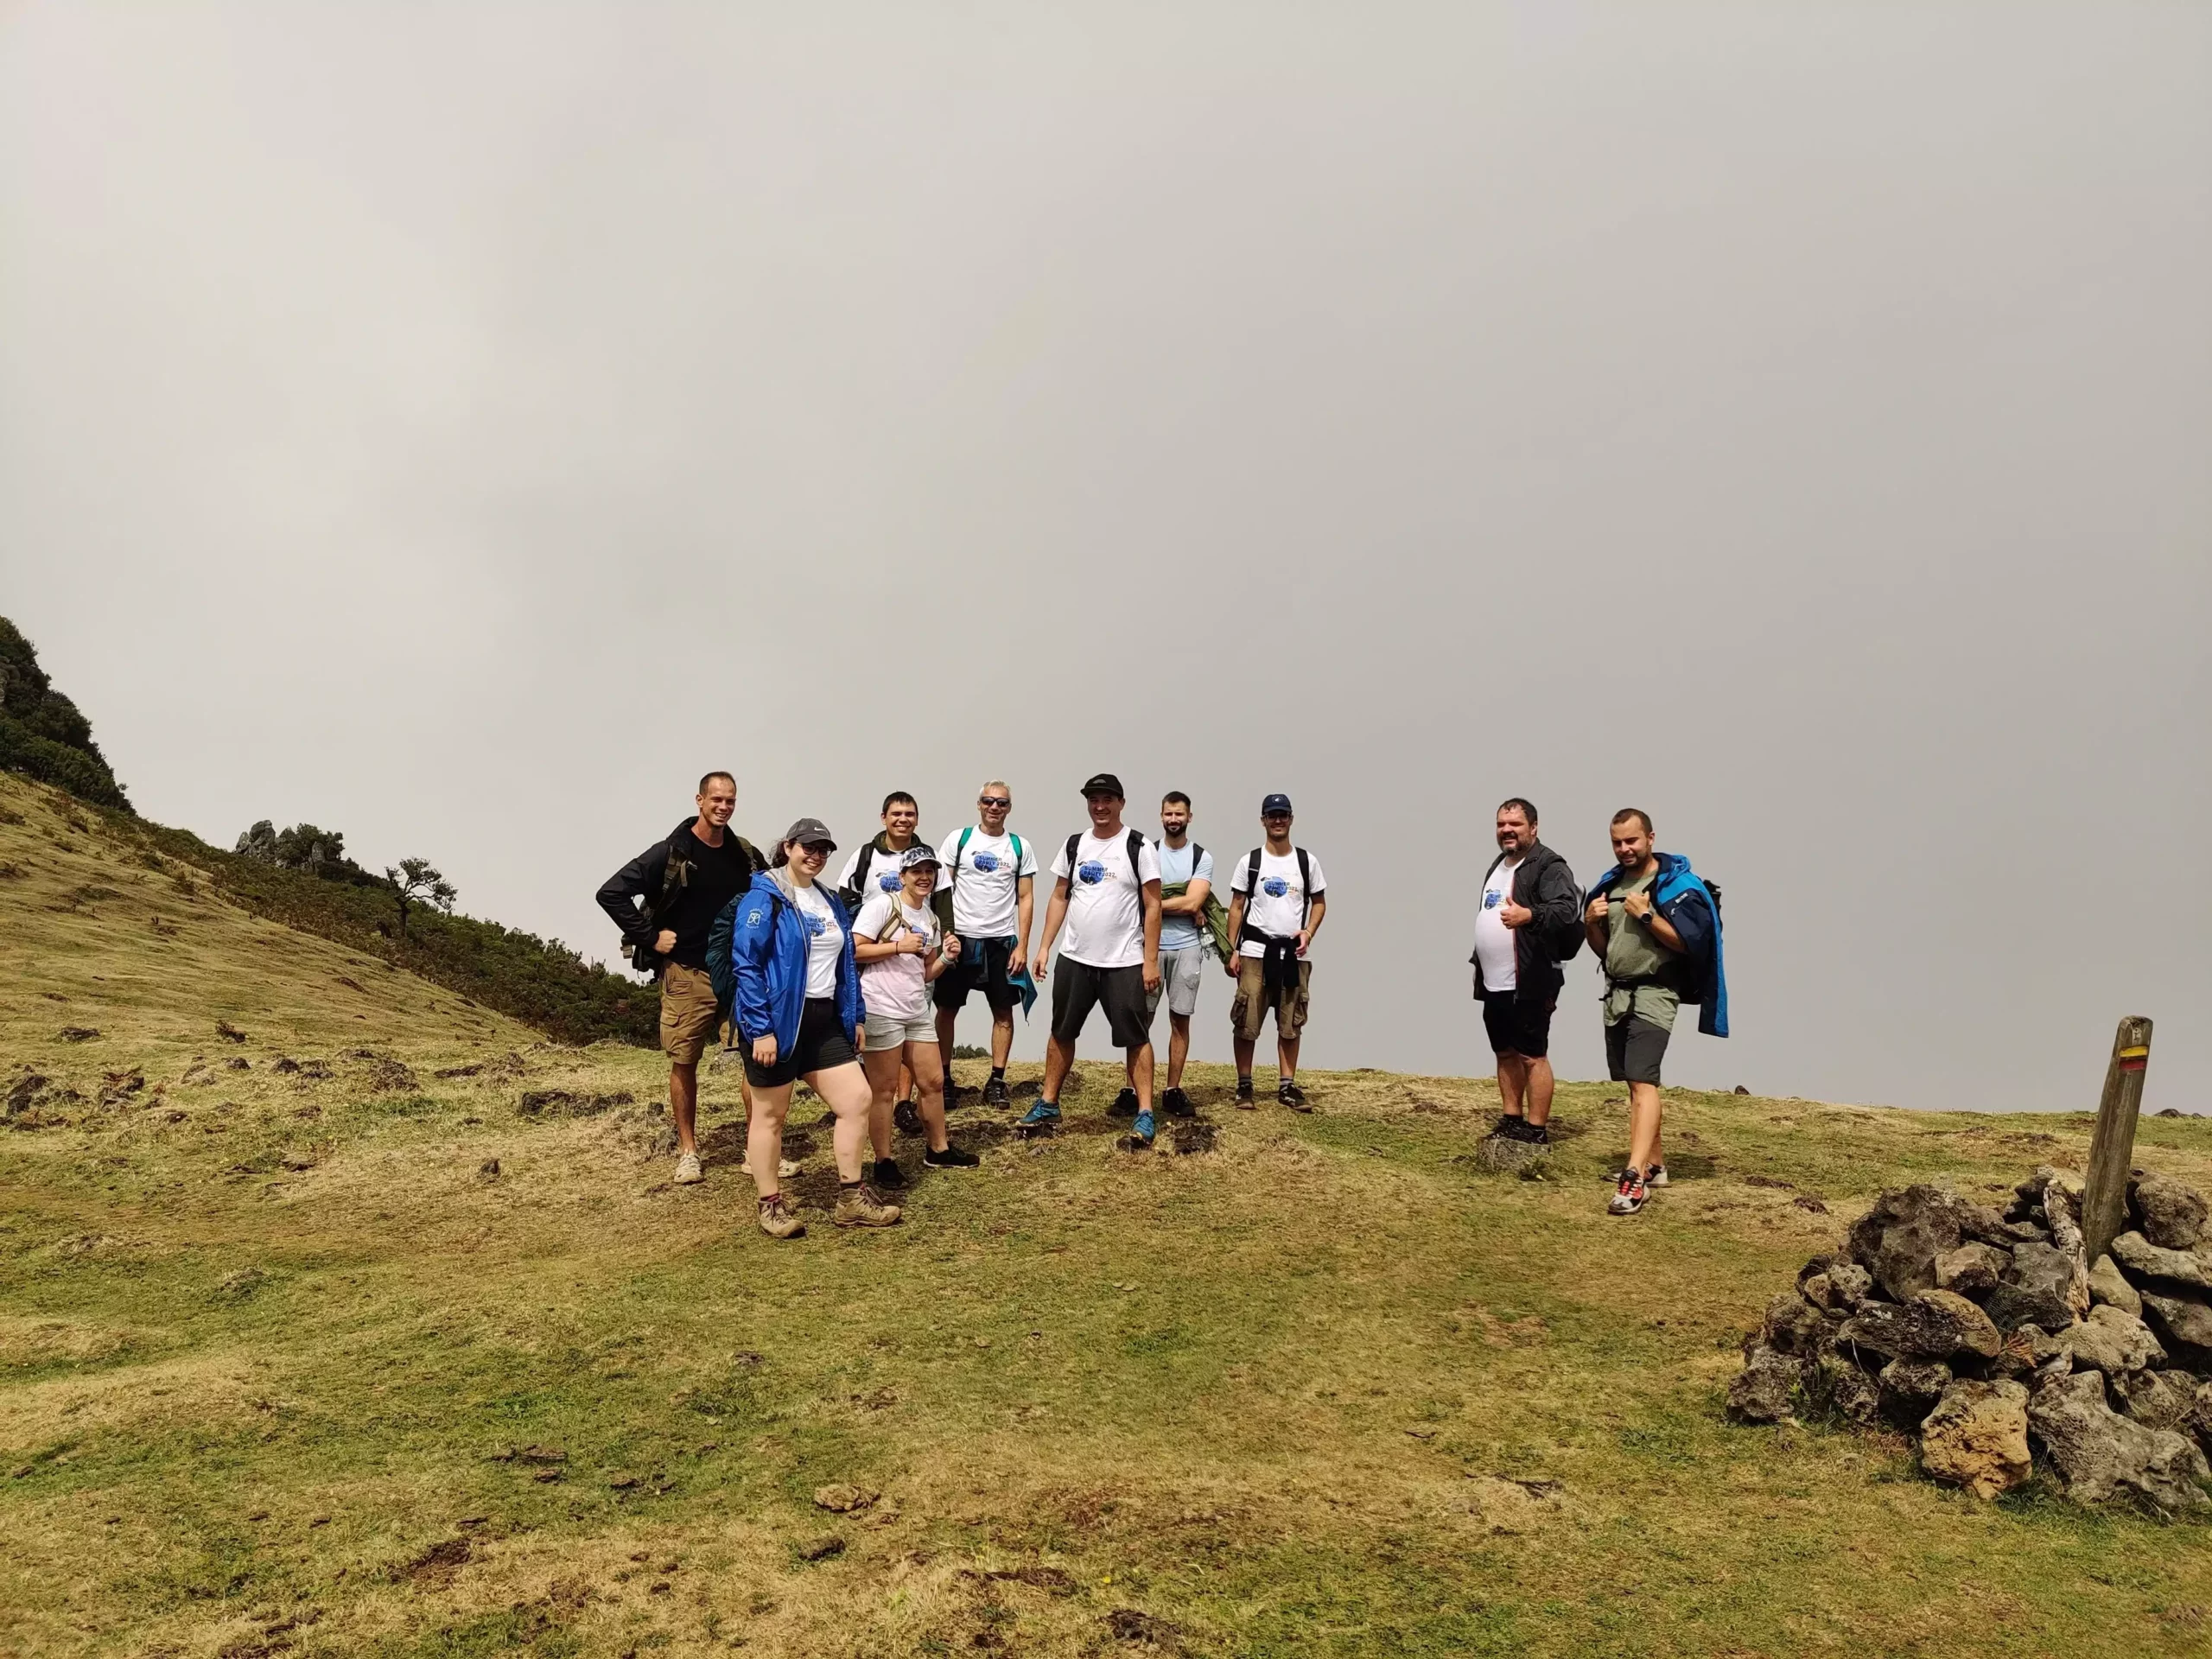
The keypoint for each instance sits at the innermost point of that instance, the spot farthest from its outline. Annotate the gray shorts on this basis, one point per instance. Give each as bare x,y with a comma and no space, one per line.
1634,1047
1178,981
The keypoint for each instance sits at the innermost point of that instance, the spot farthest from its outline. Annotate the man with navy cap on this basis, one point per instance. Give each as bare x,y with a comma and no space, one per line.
1275,906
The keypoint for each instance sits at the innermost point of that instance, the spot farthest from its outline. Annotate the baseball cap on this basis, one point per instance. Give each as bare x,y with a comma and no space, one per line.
807,831
1274,804
914,857
1104,782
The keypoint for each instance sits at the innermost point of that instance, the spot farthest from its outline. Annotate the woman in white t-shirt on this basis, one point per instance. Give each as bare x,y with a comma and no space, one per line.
902,947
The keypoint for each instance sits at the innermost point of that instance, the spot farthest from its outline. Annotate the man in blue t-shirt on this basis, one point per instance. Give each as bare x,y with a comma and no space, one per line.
1185,881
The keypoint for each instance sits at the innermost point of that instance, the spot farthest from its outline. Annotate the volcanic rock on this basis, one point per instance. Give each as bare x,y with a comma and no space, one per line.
2158,1399
2144,1260
1971,1269
2113,1342
2181,1321
2102,1455
1910,1389
2044,1285
1934,1324
2109,1286
2166,1212
1899,1240
1762,1391
1836,1385
1977,1436
1793,1325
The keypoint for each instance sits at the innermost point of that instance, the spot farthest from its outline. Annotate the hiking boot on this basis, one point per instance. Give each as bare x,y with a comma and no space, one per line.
777,1219
862,1206
787,1167
686,1169
1176,1104
1244,1102
1125,1104
1654,1177
1536,1134
906,1117
1630,1195
1141,1132
1292,1096
886,1173
994,1093
1039,1118
951,1158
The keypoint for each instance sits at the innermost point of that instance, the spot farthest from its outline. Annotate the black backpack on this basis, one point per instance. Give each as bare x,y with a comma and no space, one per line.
1305,886
857,894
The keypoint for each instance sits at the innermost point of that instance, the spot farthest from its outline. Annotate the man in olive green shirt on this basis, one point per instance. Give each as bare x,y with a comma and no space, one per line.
1640,948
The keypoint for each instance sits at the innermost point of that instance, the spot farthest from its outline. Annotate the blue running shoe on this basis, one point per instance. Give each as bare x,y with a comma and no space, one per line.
1140,1131
1039,1115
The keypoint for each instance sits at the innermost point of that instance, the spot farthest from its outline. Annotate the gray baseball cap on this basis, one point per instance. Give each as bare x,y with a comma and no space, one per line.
917,855
807,831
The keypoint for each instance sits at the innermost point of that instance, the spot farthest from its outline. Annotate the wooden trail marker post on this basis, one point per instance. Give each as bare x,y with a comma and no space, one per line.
2112,1144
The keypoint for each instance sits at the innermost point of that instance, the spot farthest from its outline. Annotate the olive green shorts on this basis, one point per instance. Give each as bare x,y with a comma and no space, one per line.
690,1016
1248,1011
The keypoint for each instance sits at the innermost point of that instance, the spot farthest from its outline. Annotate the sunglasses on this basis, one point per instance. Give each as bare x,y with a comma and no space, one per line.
993,800
817,848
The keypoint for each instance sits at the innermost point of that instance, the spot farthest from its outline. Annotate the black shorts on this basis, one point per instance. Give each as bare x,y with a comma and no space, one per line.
1520,1023
1634,1049
982,967
822,1042
1078,988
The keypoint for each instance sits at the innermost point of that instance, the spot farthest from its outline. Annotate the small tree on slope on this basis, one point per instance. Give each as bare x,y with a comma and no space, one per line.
415,882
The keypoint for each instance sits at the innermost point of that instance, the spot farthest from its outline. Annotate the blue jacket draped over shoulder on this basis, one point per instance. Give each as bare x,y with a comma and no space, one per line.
756,956
1683,899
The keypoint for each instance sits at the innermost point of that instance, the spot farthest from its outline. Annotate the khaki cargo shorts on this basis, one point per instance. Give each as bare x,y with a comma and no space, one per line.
1249,1012
690,1016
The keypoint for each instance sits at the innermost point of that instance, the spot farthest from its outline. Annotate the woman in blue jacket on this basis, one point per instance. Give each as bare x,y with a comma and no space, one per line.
782,953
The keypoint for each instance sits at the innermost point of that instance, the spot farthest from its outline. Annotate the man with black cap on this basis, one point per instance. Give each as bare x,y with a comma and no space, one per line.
665,900
1275,906
1106,890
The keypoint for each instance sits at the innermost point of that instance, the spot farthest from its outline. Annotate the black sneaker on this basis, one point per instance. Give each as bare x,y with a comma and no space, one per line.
994,1093
1176,1104
1292,1096
1244,1095
1511,1126
906,1117
1125,1104
1536,1134
951,1158
885,1173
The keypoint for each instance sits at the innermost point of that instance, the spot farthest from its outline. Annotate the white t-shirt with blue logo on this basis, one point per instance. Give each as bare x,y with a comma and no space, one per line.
1105,920
1493,938
825,941
983,899
1279,907
882,869
1181,932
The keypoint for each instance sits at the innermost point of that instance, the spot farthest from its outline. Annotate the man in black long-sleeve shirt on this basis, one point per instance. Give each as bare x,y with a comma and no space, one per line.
685,881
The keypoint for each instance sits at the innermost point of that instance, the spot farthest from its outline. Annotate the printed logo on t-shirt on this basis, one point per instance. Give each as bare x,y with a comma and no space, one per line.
985,862
1090,872
888,883
815,924
1492,899
1275,887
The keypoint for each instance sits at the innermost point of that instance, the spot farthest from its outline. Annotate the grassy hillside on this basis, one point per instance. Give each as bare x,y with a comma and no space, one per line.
365,1357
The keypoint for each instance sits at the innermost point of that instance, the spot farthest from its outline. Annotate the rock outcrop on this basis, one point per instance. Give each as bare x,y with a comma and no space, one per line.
1993,1341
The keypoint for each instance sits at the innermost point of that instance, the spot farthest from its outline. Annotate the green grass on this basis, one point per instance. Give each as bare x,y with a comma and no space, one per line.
276,1358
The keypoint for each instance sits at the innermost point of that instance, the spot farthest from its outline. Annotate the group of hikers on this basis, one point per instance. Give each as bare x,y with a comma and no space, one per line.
856,990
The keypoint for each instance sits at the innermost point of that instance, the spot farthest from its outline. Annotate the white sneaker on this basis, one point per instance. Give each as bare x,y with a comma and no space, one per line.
687,1170
787,1168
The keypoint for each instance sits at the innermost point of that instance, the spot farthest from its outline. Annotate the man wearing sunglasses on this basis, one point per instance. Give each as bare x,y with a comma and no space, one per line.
990,878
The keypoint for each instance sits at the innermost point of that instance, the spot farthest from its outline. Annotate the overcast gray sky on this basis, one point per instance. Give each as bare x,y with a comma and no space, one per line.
462,425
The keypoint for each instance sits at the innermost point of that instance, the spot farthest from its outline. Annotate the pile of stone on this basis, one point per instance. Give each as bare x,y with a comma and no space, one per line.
1993,1341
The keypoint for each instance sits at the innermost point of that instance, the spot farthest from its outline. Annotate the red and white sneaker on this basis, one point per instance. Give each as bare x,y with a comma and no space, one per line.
1631,1195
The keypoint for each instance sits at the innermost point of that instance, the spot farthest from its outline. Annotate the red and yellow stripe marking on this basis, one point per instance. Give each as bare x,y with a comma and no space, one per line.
2134,1060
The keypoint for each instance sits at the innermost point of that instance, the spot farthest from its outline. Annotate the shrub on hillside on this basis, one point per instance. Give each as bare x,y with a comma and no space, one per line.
43,734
